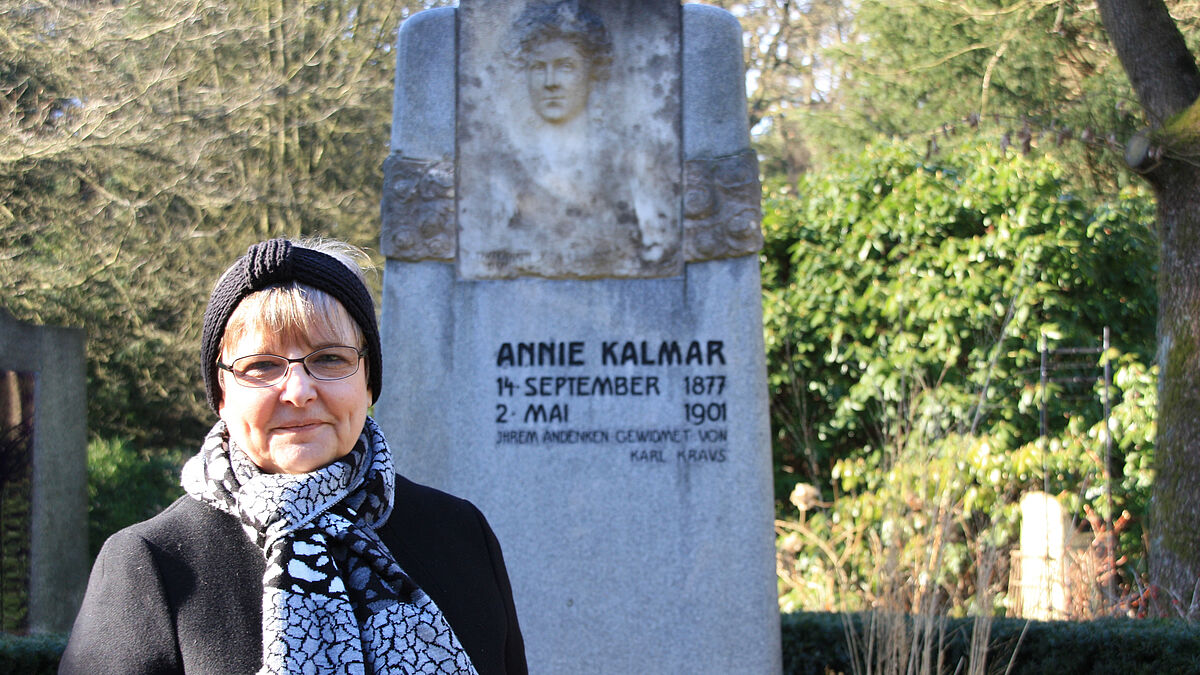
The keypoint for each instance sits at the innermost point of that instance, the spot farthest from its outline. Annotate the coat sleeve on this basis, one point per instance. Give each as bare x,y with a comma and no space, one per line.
125,624
514,644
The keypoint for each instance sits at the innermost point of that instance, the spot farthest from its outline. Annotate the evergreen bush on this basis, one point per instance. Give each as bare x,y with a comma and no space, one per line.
30,654
816,643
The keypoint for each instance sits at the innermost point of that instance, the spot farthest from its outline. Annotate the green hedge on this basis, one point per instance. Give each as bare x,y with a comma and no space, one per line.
815,643
30,655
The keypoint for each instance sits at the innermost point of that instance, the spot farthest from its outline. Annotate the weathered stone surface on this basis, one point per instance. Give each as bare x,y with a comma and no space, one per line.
58,562
721,202
568,140
605,408
719,221
721,205
615,434
417,214
418,209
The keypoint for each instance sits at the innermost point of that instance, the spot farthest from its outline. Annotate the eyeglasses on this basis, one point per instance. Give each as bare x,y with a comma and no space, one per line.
264,370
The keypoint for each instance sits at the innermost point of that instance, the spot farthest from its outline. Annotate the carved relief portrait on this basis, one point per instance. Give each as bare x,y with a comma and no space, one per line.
568,141
561,48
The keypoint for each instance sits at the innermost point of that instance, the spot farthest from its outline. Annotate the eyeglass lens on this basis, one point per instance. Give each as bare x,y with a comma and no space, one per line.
264,370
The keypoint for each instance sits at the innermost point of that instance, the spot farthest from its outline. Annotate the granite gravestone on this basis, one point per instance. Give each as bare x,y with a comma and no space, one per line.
572,321
43,492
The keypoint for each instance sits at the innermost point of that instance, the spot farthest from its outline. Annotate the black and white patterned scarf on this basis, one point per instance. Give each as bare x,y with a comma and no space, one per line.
334,598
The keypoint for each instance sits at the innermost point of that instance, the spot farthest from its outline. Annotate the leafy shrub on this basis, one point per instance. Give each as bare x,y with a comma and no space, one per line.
126,486
907,302
893,275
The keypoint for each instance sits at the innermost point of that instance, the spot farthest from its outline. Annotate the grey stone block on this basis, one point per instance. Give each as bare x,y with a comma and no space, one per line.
58,528
614,430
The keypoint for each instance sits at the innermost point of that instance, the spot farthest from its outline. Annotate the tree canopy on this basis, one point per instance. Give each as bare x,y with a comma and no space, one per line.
143,145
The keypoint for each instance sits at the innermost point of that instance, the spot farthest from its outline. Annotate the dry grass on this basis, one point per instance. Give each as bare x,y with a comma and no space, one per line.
908,596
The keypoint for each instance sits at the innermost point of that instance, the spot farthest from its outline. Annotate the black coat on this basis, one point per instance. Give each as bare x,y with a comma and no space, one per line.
182,592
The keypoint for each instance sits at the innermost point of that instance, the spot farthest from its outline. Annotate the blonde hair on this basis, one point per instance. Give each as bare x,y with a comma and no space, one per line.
295,313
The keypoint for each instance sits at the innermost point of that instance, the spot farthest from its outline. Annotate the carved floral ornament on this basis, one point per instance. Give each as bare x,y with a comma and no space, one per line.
721,208
418,209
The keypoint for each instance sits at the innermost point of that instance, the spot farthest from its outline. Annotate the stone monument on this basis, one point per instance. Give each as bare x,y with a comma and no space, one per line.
572,321
43,489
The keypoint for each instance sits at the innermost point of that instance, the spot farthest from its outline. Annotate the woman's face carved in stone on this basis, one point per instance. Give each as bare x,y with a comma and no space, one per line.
558,79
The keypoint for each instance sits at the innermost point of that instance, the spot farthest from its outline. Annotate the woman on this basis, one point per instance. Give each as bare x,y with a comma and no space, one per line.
297,548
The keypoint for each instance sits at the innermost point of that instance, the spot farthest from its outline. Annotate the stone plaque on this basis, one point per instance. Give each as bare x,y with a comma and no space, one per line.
568,139
595,383
614,434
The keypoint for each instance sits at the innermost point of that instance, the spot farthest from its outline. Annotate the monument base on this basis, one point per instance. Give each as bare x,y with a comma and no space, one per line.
615,434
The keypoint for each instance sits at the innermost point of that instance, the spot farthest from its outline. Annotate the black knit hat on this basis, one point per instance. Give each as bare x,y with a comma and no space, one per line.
276,262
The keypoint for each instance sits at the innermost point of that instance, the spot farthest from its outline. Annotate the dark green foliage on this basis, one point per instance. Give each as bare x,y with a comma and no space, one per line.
126,486
30,654
815,643
900,289
16,517
15,532
906,301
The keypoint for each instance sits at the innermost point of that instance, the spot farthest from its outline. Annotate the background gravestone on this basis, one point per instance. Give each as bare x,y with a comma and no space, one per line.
43,490
572,321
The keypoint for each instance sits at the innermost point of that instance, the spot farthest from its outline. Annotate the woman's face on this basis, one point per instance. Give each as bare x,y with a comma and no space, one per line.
558,80
299,424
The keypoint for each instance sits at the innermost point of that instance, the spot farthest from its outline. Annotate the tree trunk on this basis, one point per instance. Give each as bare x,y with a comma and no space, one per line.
1175,503
1167,82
